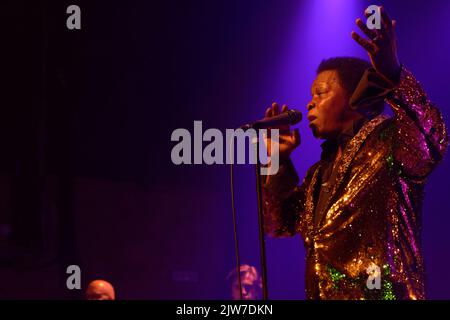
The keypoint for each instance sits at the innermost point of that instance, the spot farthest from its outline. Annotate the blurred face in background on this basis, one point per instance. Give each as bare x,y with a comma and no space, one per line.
251,284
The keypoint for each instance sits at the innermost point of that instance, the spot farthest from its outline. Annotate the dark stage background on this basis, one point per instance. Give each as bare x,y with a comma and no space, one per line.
86,176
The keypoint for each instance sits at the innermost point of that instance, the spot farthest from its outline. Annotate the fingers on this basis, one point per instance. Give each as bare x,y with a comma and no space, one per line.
371,34
275,109
387,25
368,45
285,128
291,139
286,140
376,37
287,137
385,20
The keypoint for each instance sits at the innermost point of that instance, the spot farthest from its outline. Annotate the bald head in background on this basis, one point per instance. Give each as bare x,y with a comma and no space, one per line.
100,290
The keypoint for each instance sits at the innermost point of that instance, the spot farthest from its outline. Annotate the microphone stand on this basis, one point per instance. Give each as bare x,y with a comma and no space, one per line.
293,117
262,244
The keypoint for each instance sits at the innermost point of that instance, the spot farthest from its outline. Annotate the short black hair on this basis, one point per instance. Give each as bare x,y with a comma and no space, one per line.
350,71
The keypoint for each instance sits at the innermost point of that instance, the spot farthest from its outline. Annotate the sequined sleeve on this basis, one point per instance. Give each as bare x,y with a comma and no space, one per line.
283,201
421,137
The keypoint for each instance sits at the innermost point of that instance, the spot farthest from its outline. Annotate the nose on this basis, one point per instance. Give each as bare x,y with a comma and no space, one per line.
310,106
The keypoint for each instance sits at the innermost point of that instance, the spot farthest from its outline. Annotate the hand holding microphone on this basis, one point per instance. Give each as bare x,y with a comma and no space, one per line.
288,139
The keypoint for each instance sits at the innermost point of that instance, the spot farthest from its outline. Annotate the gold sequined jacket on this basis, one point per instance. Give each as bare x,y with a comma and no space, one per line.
369,245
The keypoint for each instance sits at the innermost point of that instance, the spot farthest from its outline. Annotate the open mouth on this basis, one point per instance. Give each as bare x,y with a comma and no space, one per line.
311,118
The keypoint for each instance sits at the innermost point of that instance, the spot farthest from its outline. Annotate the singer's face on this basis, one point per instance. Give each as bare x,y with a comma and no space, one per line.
328,110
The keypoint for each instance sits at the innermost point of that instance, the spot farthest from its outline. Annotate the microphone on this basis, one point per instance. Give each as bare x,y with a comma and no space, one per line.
289,117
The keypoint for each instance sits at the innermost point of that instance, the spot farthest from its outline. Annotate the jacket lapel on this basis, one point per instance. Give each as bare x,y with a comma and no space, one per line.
310,202
349,154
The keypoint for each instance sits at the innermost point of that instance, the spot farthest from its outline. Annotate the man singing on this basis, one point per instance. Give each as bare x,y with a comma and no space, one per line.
359,207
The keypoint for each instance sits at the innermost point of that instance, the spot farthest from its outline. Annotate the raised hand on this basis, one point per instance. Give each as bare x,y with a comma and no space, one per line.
381,46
